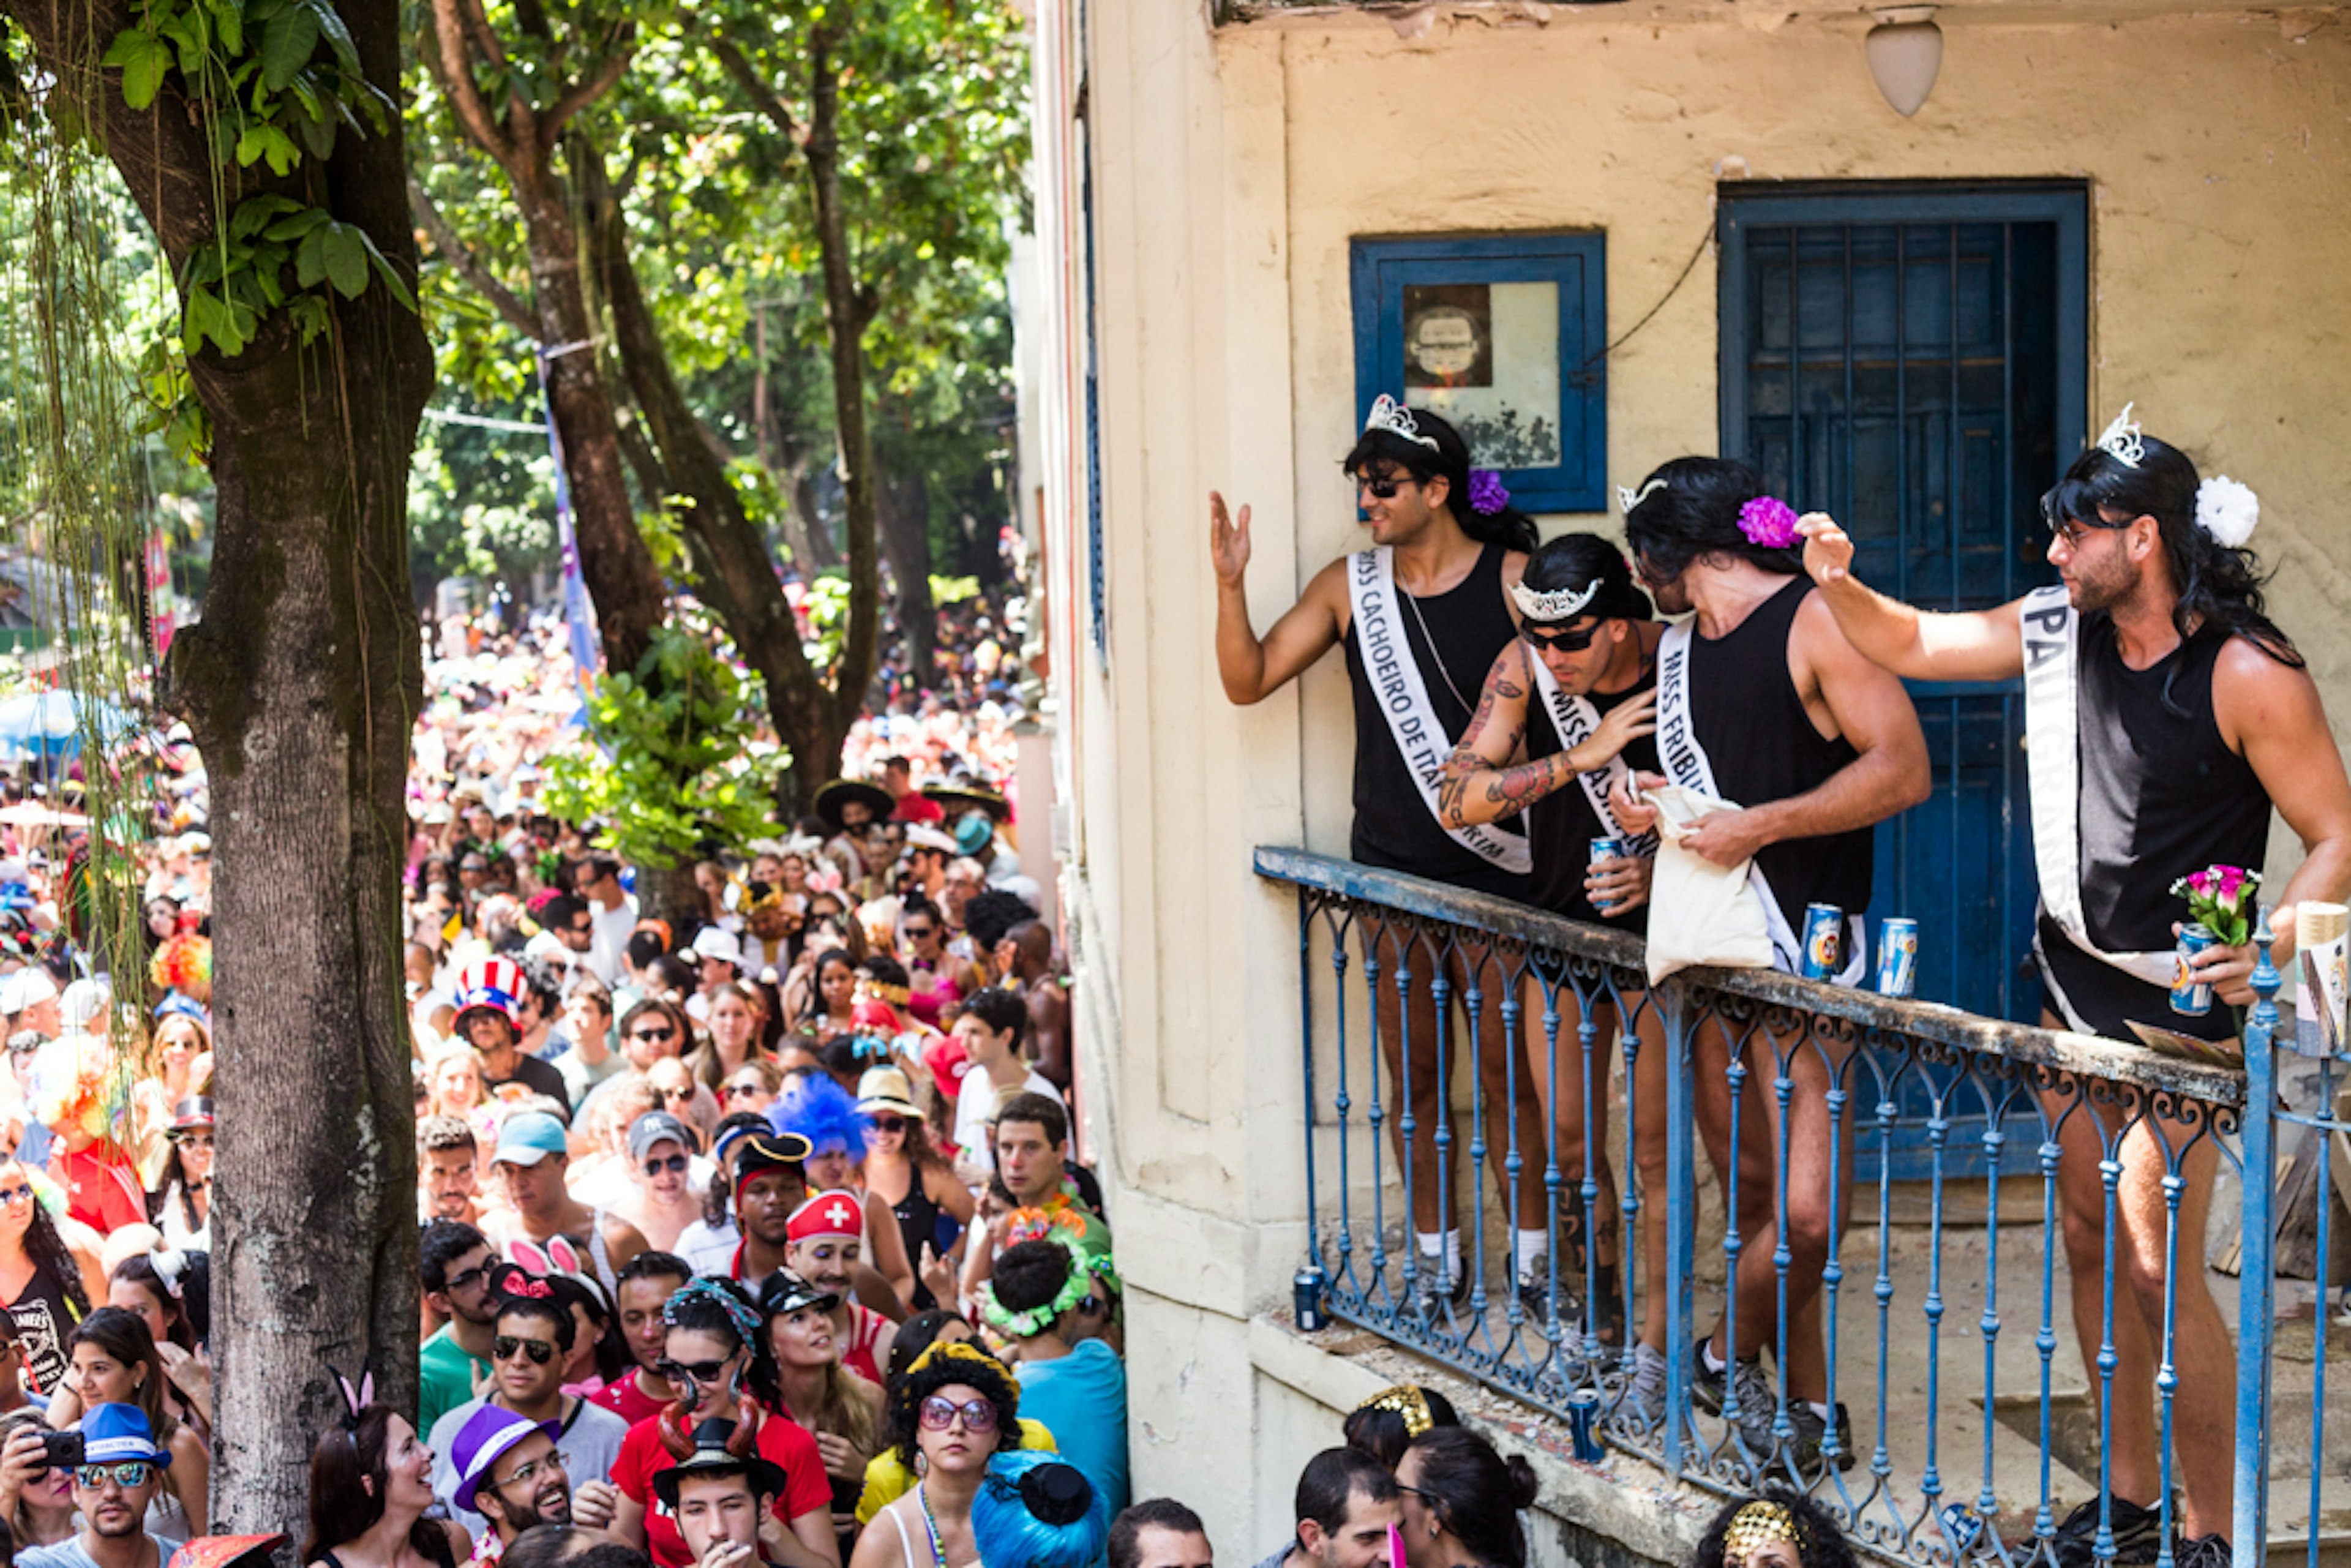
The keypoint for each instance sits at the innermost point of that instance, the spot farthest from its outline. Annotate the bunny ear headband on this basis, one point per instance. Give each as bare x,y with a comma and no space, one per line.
355,1400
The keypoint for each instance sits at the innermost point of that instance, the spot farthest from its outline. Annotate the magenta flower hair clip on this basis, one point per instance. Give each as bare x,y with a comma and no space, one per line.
1768,521
1486,494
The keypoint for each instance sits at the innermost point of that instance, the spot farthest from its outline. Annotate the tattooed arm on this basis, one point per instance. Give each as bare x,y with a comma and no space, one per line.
1484,779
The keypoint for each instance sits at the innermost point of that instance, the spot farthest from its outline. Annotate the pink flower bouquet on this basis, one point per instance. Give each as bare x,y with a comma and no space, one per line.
2219,898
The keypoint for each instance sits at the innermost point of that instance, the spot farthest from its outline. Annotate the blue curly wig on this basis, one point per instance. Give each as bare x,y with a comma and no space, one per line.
823,1112
1039,1510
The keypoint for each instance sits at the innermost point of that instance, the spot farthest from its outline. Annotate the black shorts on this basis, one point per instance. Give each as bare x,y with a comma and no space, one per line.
2108,1000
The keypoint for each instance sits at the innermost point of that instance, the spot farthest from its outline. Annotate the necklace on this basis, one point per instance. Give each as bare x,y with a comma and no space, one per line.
931,1525
1445,675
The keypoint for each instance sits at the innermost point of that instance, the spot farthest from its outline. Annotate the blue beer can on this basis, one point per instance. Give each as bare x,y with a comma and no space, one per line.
1824,941
1609,848
1898,957
2186,997
1306,1298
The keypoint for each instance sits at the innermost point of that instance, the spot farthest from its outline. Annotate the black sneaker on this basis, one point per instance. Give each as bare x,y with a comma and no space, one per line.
2203,1552
1432,1293
2138,1535
1756,1399
1811,1432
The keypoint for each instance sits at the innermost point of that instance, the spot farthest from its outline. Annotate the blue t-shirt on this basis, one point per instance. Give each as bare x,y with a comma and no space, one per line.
1081,1400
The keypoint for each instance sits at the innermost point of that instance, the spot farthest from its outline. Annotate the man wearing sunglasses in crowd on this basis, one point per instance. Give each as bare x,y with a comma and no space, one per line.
647,1282
667,1188
454,1260
534,1332
1568,708
121,1473
1421,616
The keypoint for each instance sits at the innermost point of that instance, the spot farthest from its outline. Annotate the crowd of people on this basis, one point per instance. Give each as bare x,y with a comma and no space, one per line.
1527,727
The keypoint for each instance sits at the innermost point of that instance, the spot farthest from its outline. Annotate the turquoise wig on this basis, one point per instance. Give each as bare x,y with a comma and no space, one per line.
823,1112
1038,1511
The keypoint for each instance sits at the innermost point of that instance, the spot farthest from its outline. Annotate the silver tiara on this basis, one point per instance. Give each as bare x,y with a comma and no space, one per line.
1629,498
1561,604
1396,419
2121,441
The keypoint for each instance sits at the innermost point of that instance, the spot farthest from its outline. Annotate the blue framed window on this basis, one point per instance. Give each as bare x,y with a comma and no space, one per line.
1502,337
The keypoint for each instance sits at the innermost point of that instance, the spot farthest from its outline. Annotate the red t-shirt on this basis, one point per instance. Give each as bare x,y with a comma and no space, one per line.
919,808
807,1490
627,1399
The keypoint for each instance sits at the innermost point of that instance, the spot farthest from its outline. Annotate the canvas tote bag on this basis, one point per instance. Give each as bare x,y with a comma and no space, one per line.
1699,913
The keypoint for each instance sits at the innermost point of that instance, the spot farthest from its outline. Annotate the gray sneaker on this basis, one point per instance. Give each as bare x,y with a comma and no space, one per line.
1757,1398
1812,1433
1645,1396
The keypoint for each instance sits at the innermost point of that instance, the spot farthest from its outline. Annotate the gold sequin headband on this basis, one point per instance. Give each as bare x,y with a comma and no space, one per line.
896,996
1760,1523
1407,1402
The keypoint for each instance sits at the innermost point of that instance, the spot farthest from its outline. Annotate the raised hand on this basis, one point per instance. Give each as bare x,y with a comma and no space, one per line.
1228,542
1828,549
1622,726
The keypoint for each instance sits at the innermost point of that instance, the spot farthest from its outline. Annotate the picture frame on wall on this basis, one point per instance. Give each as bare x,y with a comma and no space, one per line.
1502,335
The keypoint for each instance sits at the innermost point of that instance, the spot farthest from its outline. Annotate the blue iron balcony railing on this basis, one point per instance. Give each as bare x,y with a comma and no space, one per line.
1944,1431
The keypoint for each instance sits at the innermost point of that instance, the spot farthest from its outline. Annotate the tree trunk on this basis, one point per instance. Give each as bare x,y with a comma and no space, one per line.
847,312
905,520
738,576
300,683
801,522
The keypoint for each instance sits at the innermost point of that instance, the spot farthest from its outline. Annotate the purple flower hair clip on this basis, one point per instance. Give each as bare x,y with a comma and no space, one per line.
1768,521
1487,496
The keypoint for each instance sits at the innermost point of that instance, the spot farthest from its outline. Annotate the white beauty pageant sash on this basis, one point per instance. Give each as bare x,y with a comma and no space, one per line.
1575,718
1396,680
2053,763
1687,764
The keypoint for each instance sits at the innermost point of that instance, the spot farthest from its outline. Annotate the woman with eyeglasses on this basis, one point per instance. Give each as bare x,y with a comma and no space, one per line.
45,1283
957,1408
180,1204
906,1171
842,1410
935,978
716,1357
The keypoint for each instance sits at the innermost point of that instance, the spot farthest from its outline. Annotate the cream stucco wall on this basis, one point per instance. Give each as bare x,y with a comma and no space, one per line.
1232,166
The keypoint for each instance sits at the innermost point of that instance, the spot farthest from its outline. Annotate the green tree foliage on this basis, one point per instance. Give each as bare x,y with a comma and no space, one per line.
677,770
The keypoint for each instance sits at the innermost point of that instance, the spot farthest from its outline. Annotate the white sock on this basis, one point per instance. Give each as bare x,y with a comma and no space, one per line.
1713,1361
1530,1249
1447,1247
1820,1409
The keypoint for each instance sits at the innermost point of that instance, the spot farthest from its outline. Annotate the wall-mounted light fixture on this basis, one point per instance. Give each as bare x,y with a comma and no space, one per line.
1904,52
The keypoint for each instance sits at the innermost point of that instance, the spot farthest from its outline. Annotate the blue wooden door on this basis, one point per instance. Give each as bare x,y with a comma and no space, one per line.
1912,361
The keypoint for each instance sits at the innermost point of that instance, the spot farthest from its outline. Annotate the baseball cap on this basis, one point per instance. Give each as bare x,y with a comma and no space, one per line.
717,942
528,1137
487,1433
656,1127
28,987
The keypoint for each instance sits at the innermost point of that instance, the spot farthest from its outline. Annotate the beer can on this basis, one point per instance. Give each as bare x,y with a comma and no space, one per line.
1583,1426
2186,997
1898,957
1961,1525
1608,849
1824,941
1306,1294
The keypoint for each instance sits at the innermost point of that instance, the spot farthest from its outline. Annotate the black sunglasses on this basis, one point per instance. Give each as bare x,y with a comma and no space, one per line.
699,1371
1384,486
1564,642
503,1348
470,1277
652,1036
674,1164
889,1123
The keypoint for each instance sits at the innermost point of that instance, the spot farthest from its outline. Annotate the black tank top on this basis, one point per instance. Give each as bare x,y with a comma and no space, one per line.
918,1225
45,1319
2162,795
1562,824
1745,712
1394,826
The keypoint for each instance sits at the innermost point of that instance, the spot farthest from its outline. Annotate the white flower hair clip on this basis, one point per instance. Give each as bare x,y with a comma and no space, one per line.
2122,440
2226,510
1396,419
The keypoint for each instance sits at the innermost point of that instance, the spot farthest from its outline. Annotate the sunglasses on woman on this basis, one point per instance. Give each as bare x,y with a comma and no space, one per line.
674,1164
938,1414
889,1123
698,1371
666,1096
503,1348
735,1091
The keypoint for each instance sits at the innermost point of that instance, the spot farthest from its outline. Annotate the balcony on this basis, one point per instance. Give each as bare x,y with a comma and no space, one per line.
1946,1306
